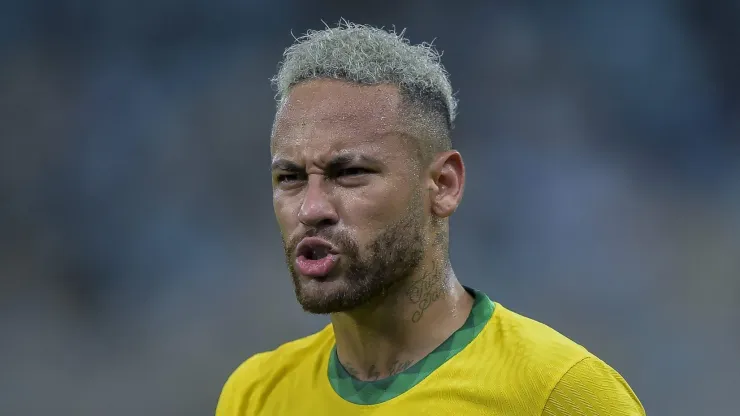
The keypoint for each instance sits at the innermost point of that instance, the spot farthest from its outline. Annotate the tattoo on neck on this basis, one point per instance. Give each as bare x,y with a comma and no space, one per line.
398,367
351,370
423,292
372,373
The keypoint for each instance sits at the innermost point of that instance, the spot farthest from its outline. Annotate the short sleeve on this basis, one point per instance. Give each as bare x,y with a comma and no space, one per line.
592,388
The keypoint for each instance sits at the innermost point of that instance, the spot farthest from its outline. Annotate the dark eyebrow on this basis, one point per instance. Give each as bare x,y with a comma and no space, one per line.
286,165
345,159
337,162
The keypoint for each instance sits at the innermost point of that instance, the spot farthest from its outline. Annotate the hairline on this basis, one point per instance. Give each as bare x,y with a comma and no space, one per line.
418,127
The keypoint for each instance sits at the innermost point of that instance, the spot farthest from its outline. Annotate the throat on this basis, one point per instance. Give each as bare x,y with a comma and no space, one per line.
371,358
382,342
379,372
375,374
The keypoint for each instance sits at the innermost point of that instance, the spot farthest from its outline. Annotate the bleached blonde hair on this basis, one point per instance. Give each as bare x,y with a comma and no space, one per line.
369,56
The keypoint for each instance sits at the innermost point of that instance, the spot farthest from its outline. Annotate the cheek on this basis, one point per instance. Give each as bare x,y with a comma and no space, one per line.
284,213
374,207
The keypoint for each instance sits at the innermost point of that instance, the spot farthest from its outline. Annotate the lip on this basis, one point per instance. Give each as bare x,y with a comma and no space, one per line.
312,242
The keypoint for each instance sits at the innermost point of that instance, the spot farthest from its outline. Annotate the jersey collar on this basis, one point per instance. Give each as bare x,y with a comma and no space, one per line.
375,392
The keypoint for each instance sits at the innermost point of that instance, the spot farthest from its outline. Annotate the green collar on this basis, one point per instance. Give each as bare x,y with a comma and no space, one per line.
375,392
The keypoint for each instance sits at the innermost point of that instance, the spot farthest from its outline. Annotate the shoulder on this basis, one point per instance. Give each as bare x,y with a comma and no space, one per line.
538,343
261,372
592,387
261,366
529,355
286,356
562,371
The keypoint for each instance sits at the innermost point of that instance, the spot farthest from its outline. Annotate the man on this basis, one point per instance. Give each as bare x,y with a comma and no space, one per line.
364,181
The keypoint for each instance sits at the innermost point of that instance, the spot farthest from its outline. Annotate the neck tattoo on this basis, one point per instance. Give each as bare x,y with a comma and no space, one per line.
423,292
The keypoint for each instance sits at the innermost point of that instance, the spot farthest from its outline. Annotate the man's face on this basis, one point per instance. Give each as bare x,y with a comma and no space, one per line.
347,193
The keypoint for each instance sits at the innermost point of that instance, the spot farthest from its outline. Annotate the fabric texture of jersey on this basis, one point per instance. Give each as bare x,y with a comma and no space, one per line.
497,363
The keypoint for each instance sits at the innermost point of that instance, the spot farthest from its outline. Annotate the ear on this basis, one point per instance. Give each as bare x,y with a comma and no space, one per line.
446,183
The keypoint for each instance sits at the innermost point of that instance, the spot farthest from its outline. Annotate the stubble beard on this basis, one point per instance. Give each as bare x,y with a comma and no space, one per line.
391,258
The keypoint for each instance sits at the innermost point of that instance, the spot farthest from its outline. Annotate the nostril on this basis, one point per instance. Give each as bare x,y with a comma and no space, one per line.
327,221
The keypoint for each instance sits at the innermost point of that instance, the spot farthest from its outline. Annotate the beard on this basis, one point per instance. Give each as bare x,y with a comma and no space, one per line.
360,276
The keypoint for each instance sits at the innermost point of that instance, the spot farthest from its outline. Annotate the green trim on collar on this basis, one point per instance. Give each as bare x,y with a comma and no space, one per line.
375,392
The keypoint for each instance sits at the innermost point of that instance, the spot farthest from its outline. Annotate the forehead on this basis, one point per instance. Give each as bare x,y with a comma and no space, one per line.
330,115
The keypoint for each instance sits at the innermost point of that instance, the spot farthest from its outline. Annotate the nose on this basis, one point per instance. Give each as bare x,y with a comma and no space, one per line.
317,208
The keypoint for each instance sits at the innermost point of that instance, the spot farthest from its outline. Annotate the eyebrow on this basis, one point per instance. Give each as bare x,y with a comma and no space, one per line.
286,165
335,162
349,158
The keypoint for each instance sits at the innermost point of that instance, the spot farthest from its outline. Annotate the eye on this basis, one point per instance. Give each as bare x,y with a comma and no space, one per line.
352,171
287,177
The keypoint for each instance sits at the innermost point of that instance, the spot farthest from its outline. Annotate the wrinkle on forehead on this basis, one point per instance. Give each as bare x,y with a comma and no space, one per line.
377,151
334,111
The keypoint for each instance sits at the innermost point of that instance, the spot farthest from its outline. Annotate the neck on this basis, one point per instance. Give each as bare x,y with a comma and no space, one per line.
386,337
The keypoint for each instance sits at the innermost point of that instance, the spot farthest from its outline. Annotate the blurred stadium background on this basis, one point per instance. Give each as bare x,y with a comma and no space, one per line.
140,261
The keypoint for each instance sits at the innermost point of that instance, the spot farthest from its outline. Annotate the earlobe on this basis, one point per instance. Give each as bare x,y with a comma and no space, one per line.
449,182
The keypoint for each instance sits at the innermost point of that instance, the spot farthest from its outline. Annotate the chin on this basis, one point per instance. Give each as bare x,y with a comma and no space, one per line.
328,296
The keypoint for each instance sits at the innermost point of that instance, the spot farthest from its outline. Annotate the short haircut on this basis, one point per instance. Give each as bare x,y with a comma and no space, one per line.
370,56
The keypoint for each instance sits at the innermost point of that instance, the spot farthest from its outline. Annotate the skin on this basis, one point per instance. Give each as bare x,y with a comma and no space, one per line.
346,168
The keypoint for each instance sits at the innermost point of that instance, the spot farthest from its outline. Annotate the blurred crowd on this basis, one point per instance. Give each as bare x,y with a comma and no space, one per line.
140,262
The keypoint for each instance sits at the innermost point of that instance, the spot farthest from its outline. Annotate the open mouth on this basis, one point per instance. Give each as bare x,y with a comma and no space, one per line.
312,248
315,257
314,252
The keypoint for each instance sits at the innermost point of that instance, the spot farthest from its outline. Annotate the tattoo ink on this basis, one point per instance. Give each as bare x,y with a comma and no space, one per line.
351,370
398,367
423,293
372,373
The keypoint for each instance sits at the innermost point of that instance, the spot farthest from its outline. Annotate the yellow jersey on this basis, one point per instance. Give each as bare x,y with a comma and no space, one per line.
497,363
